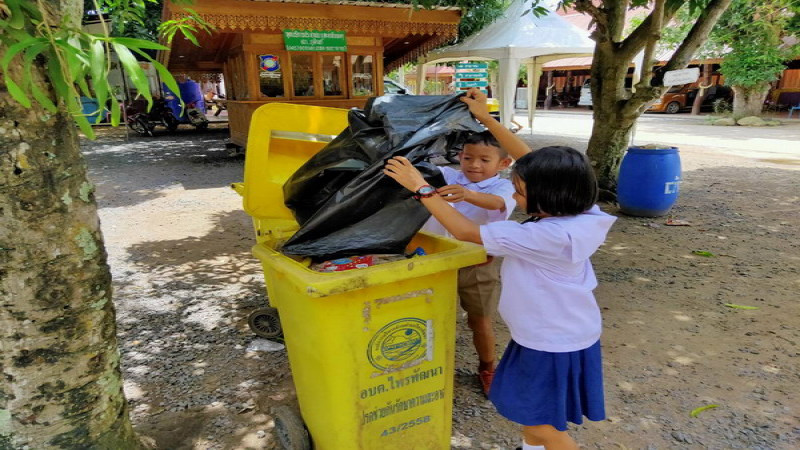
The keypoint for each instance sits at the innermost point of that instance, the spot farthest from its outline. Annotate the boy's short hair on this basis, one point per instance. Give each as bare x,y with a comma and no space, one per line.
559,181
486,138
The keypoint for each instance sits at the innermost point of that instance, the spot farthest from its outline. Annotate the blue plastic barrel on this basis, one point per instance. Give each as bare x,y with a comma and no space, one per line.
648,181
89,107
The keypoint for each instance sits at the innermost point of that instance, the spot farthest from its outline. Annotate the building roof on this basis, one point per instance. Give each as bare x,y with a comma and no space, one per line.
376,4
406,34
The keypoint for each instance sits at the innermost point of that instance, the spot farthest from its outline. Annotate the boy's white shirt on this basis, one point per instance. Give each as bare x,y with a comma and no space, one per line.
495,185
546,299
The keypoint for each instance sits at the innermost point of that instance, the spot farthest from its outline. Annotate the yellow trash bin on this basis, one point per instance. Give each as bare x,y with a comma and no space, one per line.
371,350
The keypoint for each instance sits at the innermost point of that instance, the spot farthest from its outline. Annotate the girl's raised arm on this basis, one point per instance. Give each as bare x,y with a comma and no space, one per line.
476,100
463,229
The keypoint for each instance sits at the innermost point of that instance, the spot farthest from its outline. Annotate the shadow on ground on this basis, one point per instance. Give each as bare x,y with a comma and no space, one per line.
140,169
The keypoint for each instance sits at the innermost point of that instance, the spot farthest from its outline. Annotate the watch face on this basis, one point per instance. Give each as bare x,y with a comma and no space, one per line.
426,190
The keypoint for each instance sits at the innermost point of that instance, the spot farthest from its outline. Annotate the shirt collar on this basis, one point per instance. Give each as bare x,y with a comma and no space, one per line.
481,184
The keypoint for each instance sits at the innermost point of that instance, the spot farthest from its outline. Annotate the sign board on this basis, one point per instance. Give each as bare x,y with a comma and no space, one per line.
471,84
481,65
315,41
472,75
477,73
679,77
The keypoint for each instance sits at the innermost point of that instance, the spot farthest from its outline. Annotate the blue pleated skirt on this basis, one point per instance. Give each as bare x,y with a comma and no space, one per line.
541,388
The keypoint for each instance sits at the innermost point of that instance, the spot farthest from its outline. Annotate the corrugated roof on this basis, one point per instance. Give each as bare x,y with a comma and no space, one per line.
378,4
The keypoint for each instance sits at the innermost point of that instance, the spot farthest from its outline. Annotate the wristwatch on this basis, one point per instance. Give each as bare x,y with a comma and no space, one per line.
426,191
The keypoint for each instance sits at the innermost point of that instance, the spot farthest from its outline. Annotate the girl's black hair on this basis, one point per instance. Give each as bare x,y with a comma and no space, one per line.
559,181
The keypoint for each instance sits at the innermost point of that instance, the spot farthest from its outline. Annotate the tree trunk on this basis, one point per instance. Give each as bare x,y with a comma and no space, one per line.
749,101
611,128
61,384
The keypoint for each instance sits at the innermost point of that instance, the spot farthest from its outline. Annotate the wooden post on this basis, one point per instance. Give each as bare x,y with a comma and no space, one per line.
704,84
548,102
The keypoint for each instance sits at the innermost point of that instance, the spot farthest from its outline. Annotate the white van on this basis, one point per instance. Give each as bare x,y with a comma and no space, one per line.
586,91
586,94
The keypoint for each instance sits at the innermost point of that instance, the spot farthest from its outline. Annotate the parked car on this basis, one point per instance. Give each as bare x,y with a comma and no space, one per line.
392,87
679,98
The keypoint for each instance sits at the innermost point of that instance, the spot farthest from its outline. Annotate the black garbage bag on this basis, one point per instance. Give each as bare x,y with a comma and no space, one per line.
344,203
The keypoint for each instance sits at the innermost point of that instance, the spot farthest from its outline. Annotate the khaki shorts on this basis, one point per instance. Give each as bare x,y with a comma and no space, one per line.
479,288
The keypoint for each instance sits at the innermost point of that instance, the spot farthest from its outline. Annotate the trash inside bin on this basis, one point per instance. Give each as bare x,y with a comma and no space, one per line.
371,350
345,204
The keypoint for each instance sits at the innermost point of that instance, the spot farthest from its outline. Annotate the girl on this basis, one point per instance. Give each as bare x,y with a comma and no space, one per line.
551,372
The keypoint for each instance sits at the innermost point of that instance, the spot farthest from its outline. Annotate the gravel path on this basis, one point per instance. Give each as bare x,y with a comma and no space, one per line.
179,249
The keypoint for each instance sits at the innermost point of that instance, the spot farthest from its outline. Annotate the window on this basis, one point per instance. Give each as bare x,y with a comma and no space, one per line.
362,68
303,75
332,74
270,75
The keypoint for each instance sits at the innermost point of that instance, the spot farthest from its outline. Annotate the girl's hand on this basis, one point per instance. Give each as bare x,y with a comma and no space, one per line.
454,193
402,171
476,101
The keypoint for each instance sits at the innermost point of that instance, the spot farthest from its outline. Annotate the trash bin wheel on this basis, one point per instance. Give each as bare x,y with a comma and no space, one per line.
265,322
291,431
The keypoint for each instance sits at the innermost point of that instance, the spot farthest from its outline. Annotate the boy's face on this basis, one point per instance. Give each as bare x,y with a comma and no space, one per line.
480,162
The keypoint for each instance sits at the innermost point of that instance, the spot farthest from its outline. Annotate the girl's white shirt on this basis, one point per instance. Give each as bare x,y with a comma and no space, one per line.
547,299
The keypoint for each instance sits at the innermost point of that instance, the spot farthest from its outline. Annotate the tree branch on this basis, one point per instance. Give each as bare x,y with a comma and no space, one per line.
615,11
600,19
656,24
634,43
698,34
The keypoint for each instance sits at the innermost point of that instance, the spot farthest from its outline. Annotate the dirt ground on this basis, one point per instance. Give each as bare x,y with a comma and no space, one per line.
185,281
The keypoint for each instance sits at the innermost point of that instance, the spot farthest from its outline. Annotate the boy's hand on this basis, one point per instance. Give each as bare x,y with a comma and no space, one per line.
401,170
476,101
454,193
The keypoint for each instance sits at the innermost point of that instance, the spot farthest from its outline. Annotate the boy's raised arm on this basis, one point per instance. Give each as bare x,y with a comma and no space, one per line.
476,100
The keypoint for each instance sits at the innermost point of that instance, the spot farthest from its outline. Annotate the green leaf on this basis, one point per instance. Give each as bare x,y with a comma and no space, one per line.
166,77
116,111
703,253
735,306
189,35
138,43
134,71
84,125
98,70
30,55
16,48
17,19
695,412
17,93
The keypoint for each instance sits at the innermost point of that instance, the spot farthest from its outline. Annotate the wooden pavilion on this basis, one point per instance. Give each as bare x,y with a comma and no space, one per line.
304,51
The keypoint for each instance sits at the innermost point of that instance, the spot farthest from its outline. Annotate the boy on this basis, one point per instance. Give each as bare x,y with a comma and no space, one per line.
481,195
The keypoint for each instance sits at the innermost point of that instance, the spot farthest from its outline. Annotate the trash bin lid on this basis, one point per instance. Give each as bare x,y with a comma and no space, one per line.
283,137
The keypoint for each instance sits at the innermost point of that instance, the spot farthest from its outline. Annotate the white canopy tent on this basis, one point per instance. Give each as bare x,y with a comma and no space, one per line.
513,39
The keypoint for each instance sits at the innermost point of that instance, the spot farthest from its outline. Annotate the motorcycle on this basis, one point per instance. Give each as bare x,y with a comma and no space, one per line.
143,122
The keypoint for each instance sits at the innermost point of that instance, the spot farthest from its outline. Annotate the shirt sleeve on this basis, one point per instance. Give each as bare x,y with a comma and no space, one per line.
450,174
532,242
506,192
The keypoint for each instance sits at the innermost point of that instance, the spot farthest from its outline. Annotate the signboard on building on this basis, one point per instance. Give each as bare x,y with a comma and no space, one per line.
315,40
470,75
679,77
